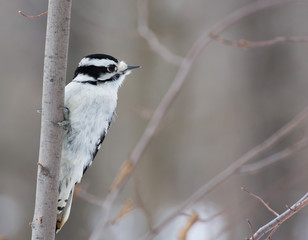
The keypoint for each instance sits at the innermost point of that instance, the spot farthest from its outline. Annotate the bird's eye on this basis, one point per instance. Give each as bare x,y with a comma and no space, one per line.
111,68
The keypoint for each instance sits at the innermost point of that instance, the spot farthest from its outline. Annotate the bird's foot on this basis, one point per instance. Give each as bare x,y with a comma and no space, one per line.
66,124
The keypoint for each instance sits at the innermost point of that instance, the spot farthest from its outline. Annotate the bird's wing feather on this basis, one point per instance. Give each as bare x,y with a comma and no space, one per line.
98,145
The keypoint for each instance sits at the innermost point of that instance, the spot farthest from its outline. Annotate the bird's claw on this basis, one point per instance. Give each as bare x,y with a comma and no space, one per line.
66,112
66,124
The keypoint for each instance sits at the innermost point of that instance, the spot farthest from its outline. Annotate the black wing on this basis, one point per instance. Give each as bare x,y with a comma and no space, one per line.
97,146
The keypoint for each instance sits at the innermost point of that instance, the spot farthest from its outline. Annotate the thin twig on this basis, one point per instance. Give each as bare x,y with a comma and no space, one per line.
251,229
291,179
29,16
257,166
262,201
254,44
275,223
292,212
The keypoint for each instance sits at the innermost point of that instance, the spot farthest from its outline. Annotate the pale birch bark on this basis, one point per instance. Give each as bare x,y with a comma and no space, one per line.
56,48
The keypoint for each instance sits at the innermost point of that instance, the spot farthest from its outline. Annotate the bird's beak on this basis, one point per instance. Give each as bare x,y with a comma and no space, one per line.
131,67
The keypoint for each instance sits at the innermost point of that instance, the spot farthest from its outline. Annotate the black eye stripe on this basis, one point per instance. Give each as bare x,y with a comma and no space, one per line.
93,71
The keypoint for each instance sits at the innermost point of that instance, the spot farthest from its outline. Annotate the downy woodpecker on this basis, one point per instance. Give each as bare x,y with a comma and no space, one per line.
90,102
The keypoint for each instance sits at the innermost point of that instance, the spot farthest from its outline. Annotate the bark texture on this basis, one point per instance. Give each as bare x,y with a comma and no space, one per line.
55,62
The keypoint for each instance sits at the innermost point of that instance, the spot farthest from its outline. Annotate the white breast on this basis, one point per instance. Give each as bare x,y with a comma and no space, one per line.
91,110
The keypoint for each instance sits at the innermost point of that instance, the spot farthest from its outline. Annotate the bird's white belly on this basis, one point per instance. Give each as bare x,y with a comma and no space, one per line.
91,110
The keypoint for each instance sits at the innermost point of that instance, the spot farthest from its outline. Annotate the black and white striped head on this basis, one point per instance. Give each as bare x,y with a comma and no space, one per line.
101,68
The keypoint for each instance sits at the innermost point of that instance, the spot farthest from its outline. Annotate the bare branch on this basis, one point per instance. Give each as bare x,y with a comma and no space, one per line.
44,220
150,36
254,44
29,16
228,172
262,201
275,223
256,166
165,104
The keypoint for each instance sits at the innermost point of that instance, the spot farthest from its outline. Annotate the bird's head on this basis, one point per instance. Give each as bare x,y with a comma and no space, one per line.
101,68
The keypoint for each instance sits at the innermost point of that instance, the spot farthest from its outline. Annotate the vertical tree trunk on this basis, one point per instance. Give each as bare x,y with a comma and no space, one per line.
55,62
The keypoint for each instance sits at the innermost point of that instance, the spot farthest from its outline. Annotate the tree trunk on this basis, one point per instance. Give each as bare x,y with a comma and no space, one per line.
55,62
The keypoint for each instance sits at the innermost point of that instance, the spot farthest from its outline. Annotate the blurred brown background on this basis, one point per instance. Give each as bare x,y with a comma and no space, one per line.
232,100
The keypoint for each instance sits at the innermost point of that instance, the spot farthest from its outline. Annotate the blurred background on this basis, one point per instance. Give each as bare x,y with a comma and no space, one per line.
232,100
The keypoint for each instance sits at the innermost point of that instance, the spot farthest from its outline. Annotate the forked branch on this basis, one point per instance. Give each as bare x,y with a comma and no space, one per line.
276,222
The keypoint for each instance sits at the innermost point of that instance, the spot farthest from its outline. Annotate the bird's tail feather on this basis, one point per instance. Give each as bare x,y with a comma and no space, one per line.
64,214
